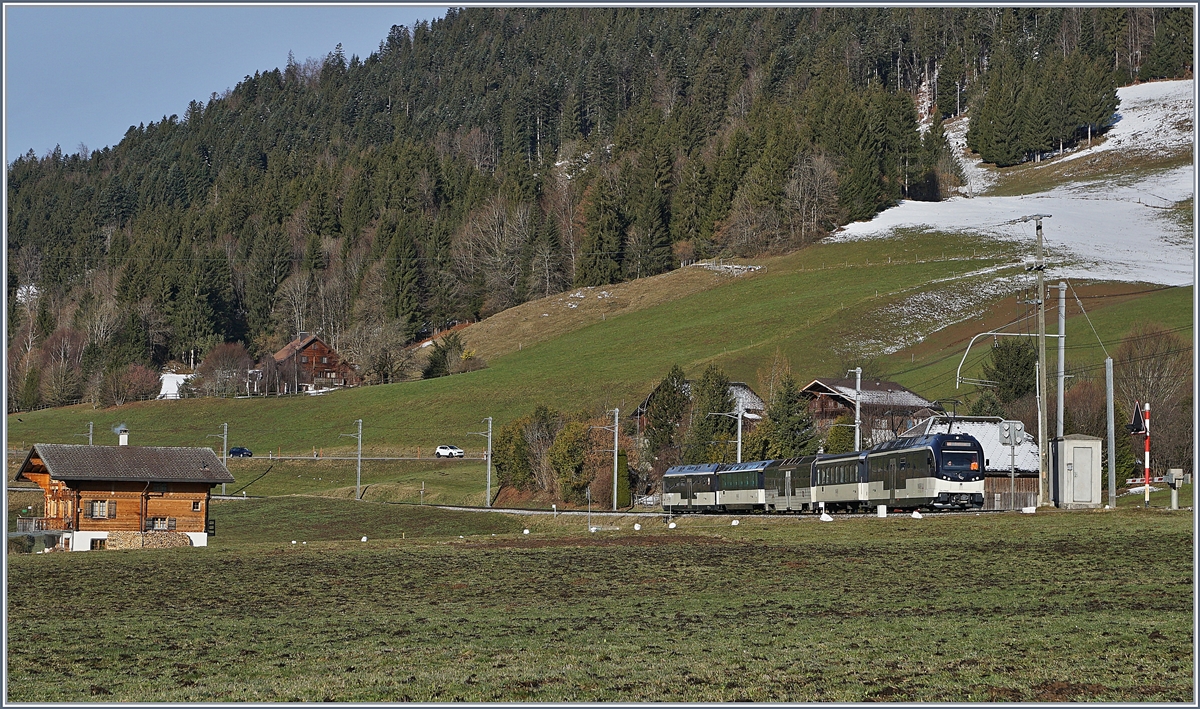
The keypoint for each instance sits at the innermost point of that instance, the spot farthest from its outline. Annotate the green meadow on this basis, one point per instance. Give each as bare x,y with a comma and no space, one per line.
463,606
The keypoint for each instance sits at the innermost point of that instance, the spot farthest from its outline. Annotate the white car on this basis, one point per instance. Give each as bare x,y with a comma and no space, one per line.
448,452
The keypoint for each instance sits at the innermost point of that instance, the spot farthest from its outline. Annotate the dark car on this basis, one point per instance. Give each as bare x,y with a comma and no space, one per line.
240,452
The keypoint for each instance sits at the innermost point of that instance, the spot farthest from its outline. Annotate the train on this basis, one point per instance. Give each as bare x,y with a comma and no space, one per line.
939,471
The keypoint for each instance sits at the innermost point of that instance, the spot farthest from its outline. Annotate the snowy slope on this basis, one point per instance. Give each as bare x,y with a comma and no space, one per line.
1112,230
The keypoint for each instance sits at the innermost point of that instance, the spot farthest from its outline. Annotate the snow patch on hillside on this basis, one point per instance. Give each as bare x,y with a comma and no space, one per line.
1118,230
978,178
1154,118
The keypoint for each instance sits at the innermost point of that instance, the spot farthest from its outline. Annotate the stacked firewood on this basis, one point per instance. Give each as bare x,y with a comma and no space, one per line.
147,540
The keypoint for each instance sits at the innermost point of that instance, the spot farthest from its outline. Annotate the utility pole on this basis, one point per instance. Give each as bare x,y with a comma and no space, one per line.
487,457
1112,454
615,428
88,434
857,407
224,436
358,470
616,432
1039,266
733,415
1062,352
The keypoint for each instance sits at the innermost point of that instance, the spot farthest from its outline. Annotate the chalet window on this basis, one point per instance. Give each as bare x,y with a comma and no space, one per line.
98,544
304,359
99,509
195,505
158,487
161,523
324,360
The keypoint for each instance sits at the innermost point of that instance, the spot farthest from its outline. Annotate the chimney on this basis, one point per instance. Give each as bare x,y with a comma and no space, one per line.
123,436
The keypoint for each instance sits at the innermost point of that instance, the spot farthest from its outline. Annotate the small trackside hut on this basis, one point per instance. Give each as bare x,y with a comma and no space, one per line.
92,492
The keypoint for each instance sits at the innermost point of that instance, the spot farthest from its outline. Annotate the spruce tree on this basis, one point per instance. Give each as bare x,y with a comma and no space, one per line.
664,415
403,294
600,249
792,431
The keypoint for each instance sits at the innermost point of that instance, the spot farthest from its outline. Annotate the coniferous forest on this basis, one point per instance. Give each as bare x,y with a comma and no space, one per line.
500,155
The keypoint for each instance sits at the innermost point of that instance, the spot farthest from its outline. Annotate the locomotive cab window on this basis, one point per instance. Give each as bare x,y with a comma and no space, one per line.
960,461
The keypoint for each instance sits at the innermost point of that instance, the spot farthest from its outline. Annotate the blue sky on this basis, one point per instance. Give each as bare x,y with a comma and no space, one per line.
85,74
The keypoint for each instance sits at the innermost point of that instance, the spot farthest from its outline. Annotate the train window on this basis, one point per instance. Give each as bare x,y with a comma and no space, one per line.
904,464
960,461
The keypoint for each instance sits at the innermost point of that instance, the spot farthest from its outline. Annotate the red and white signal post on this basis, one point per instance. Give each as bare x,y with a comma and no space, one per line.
1146,425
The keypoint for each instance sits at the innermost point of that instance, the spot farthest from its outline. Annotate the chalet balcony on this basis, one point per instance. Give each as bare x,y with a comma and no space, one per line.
44,524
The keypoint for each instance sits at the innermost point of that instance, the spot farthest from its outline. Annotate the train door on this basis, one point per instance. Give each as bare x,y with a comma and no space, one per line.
688,491
787,488
891,480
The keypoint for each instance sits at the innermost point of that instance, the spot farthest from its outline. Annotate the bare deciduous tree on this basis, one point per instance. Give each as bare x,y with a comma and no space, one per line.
810,194
379,352
62,354
296,291
1154,365
223,371
490,246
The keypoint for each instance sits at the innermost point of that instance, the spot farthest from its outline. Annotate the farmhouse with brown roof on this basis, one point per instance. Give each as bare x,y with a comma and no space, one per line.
887,408
307,362
92,492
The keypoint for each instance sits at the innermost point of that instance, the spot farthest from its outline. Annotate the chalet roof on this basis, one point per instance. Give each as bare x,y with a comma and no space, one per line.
871,393
141,463
295,346
986,430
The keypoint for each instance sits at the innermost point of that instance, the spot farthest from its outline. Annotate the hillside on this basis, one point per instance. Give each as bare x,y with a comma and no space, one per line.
498,156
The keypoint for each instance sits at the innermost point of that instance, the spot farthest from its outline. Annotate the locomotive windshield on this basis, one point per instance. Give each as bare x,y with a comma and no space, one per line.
960,461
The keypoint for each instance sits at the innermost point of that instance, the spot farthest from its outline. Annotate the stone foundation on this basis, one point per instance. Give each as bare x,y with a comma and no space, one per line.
147,540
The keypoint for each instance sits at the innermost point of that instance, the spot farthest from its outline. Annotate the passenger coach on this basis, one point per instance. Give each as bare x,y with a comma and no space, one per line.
937,471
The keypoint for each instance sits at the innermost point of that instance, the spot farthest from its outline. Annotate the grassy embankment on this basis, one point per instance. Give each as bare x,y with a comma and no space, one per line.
1047,607
809,305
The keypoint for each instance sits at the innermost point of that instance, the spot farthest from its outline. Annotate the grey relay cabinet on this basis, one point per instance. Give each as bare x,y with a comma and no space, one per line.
1077,472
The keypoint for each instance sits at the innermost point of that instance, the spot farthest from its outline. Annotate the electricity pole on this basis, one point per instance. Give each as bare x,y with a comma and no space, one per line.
857,407
358,470
615,429
1112,455
1062,352
88,434
488,457
1039,266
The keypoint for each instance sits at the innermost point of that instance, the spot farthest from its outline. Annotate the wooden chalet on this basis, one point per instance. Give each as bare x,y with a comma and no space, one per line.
307,362
92,491
886,407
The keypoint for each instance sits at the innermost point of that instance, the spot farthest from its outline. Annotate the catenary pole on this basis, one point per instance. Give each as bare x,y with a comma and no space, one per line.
1062,354
857,407
358,469
1112,454
616,430
1040,267
489,462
